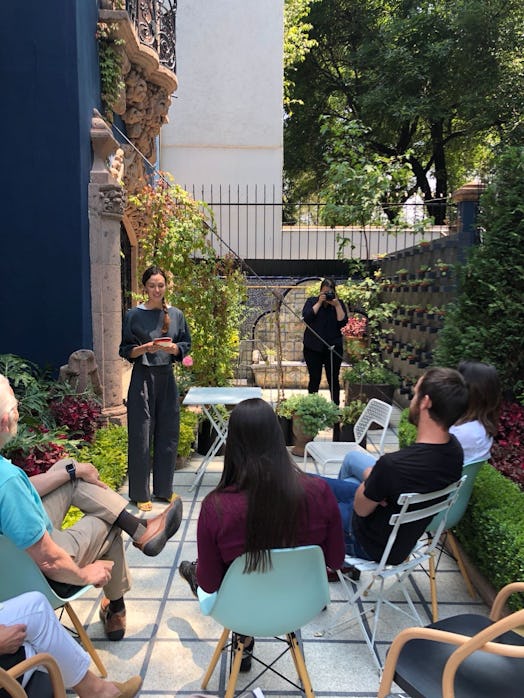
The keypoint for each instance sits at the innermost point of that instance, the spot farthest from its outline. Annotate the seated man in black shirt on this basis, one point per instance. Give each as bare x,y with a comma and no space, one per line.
431,463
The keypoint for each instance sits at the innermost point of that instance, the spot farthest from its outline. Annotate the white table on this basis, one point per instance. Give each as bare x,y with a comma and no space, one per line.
209,400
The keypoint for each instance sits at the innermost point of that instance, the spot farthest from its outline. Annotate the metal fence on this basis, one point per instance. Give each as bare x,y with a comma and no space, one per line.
252,224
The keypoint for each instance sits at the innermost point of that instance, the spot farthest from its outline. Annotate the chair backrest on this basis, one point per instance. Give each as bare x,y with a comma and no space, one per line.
415,506
456,512
42,684
375,411
21,574
278,601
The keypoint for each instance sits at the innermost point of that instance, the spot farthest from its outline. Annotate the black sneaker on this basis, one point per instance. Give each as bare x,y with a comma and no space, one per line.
247,654
188,572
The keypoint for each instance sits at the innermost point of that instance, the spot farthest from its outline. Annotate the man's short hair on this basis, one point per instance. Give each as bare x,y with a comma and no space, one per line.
448,393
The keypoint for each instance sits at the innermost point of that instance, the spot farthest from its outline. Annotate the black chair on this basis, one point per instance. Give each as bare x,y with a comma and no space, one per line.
464,656
40,685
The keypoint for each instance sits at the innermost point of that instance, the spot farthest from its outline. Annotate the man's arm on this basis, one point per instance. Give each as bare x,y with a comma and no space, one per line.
57,476
362,505
56,564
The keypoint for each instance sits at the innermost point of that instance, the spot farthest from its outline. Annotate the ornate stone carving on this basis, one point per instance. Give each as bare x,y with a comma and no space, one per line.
113,200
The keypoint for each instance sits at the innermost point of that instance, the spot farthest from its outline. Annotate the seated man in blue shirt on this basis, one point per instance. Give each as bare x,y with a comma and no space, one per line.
89,552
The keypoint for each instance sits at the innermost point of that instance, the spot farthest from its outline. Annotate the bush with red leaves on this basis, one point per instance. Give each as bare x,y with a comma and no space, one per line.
39,459
507,453
79,413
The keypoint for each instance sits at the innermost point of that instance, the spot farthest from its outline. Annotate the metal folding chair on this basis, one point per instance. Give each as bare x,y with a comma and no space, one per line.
387,577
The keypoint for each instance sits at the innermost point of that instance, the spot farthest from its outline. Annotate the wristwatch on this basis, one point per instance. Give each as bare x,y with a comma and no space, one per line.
71,470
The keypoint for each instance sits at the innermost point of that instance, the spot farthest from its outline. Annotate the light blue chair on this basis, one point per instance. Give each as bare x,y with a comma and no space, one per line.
21,574
470,471
267,604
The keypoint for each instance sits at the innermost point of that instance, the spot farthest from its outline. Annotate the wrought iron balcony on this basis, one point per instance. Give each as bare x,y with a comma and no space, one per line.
155,24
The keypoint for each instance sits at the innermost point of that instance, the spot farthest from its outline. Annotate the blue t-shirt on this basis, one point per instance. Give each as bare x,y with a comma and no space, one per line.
23,518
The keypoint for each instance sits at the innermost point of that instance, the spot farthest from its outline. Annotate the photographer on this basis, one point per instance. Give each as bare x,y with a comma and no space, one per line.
324,316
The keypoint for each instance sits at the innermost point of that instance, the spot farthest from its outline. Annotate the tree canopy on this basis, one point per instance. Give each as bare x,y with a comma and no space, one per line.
431,83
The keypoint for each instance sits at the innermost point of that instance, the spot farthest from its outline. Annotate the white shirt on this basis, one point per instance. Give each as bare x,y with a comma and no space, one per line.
475,441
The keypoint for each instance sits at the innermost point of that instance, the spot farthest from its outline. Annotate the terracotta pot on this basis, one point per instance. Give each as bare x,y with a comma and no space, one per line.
301,438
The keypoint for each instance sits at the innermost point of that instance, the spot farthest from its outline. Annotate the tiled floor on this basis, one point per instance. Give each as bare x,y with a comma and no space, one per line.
169,642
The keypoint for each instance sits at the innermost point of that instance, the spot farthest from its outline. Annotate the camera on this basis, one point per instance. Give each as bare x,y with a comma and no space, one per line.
330,296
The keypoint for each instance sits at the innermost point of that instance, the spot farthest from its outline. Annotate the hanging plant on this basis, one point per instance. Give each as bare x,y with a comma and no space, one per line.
110,63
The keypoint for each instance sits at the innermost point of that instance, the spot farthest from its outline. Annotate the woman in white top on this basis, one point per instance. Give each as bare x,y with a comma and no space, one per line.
477,427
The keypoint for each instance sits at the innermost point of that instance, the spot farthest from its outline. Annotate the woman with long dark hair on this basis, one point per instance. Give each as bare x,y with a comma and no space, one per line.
263,501
324,315
154,336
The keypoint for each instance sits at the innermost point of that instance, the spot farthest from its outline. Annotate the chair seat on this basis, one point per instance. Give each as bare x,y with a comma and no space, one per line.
482,675
324,452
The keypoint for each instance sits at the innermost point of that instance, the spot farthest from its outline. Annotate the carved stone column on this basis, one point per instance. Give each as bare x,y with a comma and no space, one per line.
106,208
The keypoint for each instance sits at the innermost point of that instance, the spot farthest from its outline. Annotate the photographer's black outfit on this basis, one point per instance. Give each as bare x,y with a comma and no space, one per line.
317,353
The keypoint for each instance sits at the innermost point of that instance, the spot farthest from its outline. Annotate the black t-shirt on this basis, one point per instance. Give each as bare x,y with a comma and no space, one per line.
418,468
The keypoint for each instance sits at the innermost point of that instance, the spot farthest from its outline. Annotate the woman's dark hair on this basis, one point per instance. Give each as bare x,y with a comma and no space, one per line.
257,462
328,282
484,394
153,271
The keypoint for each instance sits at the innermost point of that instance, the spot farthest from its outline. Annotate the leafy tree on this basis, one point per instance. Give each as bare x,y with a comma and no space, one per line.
485,323
434,83
297,43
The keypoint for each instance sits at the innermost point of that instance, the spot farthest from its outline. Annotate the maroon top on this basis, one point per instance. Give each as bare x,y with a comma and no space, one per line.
222,526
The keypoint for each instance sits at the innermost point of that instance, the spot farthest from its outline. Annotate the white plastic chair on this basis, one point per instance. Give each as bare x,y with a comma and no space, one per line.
20,574
413,507
267,604
324,452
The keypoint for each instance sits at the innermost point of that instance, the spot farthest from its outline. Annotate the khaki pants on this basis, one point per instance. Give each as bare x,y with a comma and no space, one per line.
94,537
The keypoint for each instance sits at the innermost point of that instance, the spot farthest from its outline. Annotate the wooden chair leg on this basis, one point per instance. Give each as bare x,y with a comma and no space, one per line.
86,640
214,659
300,665
456,554
235,667
433,587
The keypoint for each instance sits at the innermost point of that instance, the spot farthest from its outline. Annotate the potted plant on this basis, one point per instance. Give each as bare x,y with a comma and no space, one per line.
348,417
284,412
310,414
353,333
372,378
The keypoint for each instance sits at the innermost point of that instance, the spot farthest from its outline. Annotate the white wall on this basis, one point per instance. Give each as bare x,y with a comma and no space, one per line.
225,123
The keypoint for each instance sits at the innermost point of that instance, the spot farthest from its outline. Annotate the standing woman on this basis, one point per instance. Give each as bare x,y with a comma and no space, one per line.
154,336
324,316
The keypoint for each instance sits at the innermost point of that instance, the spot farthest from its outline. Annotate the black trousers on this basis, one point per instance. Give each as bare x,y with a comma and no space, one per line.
153,422
331,362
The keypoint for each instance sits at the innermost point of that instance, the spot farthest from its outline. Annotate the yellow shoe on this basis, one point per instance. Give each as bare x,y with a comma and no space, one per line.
144,506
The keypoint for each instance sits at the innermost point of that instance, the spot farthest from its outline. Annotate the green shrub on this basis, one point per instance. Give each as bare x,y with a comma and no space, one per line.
108,453
407,432
492,530
188,426
485,322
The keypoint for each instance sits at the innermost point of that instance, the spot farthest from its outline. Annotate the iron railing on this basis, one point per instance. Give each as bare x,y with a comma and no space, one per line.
155,23
254,224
